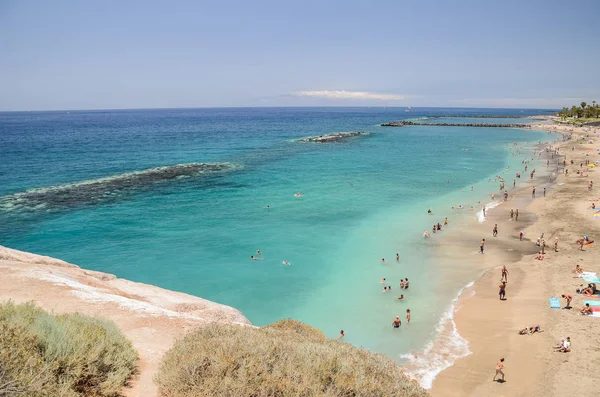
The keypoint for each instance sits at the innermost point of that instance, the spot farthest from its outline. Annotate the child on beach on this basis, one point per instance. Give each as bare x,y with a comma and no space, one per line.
504,274
521,236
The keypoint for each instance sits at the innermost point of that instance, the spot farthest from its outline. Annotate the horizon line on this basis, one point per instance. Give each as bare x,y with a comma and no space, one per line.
268,107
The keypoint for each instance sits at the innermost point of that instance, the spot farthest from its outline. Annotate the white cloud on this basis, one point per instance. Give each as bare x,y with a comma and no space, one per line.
517,102
350,95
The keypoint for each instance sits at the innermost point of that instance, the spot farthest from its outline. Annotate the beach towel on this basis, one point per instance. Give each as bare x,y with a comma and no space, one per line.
555,303
595,280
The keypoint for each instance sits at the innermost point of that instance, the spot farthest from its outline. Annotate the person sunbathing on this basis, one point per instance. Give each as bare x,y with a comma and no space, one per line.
539,256
535,329
587,310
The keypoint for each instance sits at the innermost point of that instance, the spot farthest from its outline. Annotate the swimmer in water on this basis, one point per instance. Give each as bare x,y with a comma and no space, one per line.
397,257
396,323
401,297
382,281
287,263
258,252
429,211
341,335
383,261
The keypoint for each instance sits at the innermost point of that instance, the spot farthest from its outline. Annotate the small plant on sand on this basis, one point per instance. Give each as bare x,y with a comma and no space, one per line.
284,359
66,355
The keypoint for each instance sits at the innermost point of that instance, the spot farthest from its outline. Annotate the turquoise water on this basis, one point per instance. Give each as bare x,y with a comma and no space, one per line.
363,199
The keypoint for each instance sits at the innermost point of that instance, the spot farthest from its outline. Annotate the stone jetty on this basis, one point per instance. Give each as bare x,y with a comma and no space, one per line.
484,125
476,117
333,137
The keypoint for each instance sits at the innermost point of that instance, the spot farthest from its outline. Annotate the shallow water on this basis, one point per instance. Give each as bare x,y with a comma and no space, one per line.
363,199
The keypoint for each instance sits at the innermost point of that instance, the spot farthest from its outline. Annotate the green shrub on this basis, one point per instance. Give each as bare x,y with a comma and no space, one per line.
285,359
65,355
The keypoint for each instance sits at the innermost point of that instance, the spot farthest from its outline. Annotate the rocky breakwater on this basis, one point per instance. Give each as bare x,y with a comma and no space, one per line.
483,125
333,137
479,116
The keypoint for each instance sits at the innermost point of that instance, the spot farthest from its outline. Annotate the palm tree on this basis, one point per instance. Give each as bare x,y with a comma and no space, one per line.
573,112
583,105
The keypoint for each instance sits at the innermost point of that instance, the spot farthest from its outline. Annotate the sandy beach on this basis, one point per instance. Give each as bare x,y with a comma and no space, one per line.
490,325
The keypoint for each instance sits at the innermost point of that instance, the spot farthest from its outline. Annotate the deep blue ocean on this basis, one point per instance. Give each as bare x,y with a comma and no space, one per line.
66,191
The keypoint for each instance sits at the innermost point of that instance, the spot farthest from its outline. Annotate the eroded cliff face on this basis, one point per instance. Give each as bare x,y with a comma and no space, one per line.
150,316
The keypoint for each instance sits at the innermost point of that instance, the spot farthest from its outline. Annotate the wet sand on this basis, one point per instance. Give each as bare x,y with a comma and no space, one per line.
491,326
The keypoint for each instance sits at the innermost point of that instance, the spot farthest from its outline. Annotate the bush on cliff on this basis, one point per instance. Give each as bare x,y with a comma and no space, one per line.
66,355
284,359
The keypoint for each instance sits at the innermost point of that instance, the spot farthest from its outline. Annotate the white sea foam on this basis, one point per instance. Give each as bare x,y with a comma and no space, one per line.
488,207
442,352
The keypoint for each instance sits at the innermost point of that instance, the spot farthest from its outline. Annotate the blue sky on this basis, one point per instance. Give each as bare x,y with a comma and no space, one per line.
145,54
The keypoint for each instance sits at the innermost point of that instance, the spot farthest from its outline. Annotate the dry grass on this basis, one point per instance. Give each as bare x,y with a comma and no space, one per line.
67,355
285,359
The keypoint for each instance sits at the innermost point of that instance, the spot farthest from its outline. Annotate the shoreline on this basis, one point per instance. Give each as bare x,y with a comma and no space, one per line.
490,327
458,246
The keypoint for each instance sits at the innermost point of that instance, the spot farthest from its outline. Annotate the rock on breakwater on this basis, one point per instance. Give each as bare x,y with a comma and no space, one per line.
333,137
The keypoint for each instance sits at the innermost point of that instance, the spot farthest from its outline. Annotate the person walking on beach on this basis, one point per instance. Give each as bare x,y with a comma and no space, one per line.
568,298
521,236
514,182
533,192
483,211
504,274
512,214
544,192
555,244
499,368
495,230
502,290
517,214
407,316
481,246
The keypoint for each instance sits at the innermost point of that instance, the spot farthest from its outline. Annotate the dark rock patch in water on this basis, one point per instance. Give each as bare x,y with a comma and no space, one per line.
108,189
333,137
